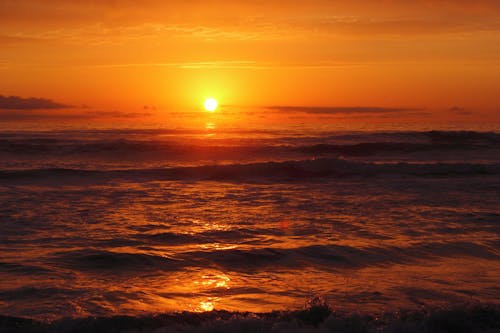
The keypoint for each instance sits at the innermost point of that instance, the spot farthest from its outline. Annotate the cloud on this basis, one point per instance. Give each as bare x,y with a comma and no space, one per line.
238,64
31,103
398,26
341,109
15,108
108,21
233,64
56,115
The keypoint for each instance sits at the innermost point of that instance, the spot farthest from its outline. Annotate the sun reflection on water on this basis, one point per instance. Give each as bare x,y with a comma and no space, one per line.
205,306
217,246
214,280
209,281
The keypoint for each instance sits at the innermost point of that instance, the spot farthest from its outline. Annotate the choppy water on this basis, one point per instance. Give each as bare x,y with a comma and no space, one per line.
145,221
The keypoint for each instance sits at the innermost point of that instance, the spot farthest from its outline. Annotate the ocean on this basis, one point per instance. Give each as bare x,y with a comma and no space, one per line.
145,221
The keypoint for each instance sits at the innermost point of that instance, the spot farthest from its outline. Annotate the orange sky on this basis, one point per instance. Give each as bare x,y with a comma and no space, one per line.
131,59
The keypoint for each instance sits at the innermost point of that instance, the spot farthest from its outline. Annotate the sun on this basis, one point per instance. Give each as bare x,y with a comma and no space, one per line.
211,104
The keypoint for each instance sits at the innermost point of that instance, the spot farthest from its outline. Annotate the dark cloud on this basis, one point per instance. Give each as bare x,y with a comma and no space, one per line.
44,115
341,110
31,103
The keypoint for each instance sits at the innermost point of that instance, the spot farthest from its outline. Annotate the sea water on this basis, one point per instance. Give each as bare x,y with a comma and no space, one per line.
131,221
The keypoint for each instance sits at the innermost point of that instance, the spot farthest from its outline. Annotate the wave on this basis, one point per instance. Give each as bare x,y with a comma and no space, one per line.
210,236
101,260
336,256
327,257
318,317
24,293
301,170
372,148
7,267
128,146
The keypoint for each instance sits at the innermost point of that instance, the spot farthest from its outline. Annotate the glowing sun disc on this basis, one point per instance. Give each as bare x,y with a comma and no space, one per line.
211,104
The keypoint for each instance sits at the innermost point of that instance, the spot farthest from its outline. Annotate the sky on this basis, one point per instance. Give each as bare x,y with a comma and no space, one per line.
157,61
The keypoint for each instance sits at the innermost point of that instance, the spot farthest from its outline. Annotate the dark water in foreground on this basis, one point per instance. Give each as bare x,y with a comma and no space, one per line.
471,318
135,222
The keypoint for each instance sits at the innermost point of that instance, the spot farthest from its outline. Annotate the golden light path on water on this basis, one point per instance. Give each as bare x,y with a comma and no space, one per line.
228,285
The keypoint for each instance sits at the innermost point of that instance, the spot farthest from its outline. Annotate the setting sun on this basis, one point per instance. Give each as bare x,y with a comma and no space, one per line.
211,104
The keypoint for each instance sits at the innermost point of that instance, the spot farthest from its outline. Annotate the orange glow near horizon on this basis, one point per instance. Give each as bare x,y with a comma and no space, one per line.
154,62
